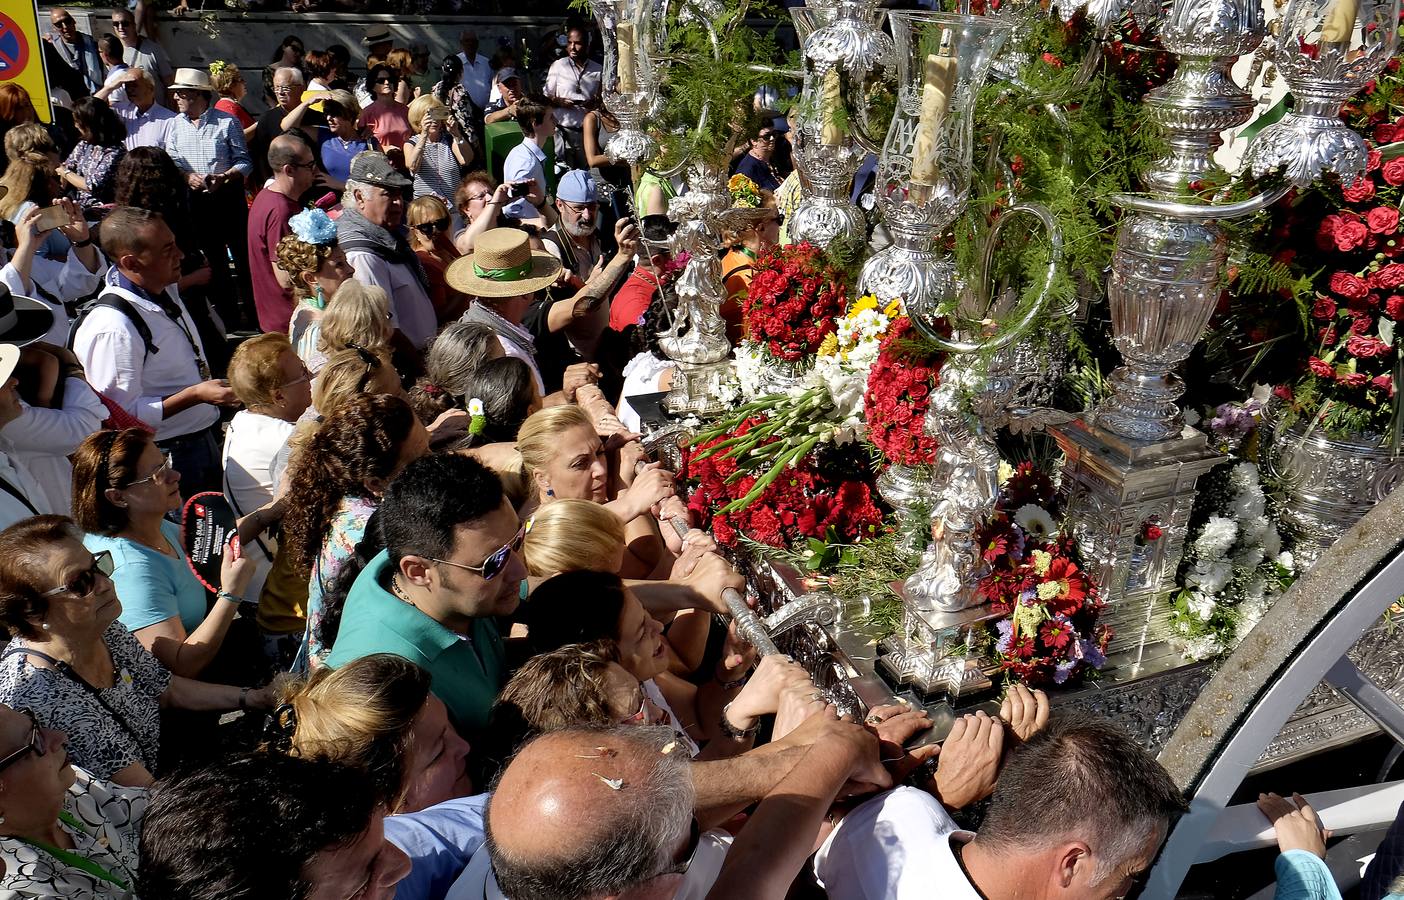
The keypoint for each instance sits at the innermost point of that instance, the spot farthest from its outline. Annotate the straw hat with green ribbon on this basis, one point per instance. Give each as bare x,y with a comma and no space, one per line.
503,264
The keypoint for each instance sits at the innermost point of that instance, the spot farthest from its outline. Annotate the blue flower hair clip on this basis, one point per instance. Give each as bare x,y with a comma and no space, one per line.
313,226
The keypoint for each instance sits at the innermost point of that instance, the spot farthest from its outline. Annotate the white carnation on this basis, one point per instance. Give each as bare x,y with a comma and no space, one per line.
1201,606
1217,537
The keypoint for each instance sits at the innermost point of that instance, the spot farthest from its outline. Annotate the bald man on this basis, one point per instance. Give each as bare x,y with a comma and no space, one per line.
609,814
294,170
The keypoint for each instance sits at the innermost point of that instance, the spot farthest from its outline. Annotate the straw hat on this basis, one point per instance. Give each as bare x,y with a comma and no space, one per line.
192,80
502,264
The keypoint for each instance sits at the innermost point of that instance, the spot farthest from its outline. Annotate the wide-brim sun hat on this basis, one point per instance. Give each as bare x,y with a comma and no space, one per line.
23,320
191,80
503,264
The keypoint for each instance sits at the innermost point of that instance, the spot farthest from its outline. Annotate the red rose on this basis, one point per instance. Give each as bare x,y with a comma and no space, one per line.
1383,219
1386,133
1384,383
1344,284
1324,308
1394,307
1393,171
1283,392
1321,368
1362,190
1373,160
1391,276
1353,379
1153,532
1366,346
1351,232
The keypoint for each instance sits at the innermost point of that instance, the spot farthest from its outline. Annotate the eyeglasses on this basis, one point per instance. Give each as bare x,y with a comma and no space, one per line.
302,379
123,23
639,717
34,745
162,472
284,88
484,196
494,564
681,862
86,580
429,229
580,208
310,164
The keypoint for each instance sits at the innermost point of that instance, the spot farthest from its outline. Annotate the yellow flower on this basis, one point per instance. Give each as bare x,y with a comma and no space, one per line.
1041,561
829,346
867,301
1006,471
1050,590
893,309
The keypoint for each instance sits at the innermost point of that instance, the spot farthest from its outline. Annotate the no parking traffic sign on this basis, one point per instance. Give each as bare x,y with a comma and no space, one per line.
21,54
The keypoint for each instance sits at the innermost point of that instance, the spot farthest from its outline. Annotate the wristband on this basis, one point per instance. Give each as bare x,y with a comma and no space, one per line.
85,242
225,595
731,731
731,685
244,697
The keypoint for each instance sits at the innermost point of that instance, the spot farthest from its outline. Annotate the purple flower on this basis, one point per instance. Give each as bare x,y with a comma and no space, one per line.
1029,597
1063,670
1091,653
1006,635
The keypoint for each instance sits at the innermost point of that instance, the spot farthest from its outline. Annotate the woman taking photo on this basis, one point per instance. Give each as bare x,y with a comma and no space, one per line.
335,482
386,117
317,268
430,225
76,667
123,487
64,835
439,150
91,169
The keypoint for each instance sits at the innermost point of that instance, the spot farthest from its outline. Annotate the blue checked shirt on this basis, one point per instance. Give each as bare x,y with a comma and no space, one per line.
209,145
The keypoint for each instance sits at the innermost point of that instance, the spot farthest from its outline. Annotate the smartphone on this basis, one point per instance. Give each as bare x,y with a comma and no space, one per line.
51,217
518,190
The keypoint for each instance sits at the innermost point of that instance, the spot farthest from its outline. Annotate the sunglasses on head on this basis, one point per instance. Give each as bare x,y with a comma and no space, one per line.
429,229
82,585
494,564
34,745
372,365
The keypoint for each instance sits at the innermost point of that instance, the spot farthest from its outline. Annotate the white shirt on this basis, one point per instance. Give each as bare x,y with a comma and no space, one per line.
118,366
477,78
896,846
567,81
252,446
410,307
510,348
526,160
17,475
641,376
43,439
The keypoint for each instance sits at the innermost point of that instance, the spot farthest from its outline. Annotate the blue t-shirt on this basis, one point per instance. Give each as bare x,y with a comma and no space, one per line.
759,172
152,586
336,154
439,842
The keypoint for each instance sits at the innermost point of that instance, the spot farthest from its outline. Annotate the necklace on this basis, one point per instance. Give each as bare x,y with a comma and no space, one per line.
399,591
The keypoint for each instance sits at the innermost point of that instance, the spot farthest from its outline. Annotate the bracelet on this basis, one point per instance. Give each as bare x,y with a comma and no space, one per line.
85,242
731,685
225,595
244,697
731,731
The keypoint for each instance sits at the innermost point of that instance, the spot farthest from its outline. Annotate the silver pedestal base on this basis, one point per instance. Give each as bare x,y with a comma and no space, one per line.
695,389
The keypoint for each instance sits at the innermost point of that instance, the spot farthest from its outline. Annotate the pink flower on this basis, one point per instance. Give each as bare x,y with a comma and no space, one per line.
1383,219
1366,346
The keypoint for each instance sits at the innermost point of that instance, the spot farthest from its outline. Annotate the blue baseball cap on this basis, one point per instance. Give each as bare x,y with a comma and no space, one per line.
576,186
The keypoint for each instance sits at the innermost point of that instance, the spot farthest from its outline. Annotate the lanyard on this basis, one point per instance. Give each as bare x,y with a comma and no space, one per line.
69,858
172,311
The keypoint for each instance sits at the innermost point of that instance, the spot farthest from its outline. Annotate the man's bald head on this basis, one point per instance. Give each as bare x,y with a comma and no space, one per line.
584,813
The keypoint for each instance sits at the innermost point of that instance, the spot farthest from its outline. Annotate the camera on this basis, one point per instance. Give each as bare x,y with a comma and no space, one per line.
518,190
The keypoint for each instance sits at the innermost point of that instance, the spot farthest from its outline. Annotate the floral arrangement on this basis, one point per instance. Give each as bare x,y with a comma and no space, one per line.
745,193
793,500
795,295
1048,629
1233,567
313,226
899,388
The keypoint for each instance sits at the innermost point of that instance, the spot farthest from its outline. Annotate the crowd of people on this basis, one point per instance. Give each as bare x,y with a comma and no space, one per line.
469,658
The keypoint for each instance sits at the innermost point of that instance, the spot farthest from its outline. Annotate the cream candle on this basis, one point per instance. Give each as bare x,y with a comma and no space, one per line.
1340,22
938,83
624,42
829,104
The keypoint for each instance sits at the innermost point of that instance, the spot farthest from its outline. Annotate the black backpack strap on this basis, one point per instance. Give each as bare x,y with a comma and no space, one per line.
123,306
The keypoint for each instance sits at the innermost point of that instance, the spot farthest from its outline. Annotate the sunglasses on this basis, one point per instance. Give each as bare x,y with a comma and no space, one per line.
765,137
429,229
387,80
86,581
65,23
162,472
123,23
494,564
34,745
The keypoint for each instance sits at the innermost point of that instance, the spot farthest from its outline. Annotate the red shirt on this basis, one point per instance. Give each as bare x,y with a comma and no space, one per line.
235,109
268,224
632,299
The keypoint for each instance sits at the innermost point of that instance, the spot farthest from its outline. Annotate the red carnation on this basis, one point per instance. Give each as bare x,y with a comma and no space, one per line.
1153,533
1384,383
1324,308
1393,171
1363,189
1366,346
1321,368
1350,233
1353,379
1386,133
1389,277
1394,307
1383,219
1373,160
1344,284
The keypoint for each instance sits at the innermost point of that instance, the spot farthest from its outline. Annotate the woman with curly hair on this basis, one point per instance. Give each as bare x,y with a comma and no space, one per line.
317,268
335,482
228,83
90,170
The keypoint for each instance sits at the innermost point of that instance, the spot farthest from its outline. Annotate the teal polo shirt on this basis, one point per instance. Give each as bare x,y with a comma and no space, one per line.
467,670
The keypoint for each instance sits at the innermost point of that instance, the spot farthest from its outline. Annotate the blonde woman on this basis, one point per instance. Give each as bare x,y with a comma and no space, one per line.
439,151
430,227
378,715
228,83
573,534
317,268
358,316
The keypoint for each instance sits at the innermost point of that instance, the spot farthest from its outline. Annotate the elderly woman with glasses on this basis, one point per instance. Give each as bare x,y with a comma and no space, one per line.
123,487
76,667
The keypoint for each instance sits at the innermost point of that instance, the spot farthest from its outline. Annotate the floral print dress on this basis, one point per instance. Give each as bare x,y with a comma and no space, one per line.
98,167
348,526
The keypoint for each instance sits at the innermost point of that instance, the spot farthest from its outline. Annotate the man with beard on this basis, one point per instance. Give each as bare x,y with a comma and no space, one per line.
577,331
450,567
573,87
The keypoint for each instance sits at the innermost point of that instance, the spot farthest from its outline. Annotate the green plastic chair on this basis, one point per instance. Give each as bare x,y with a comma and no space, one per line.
500,138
